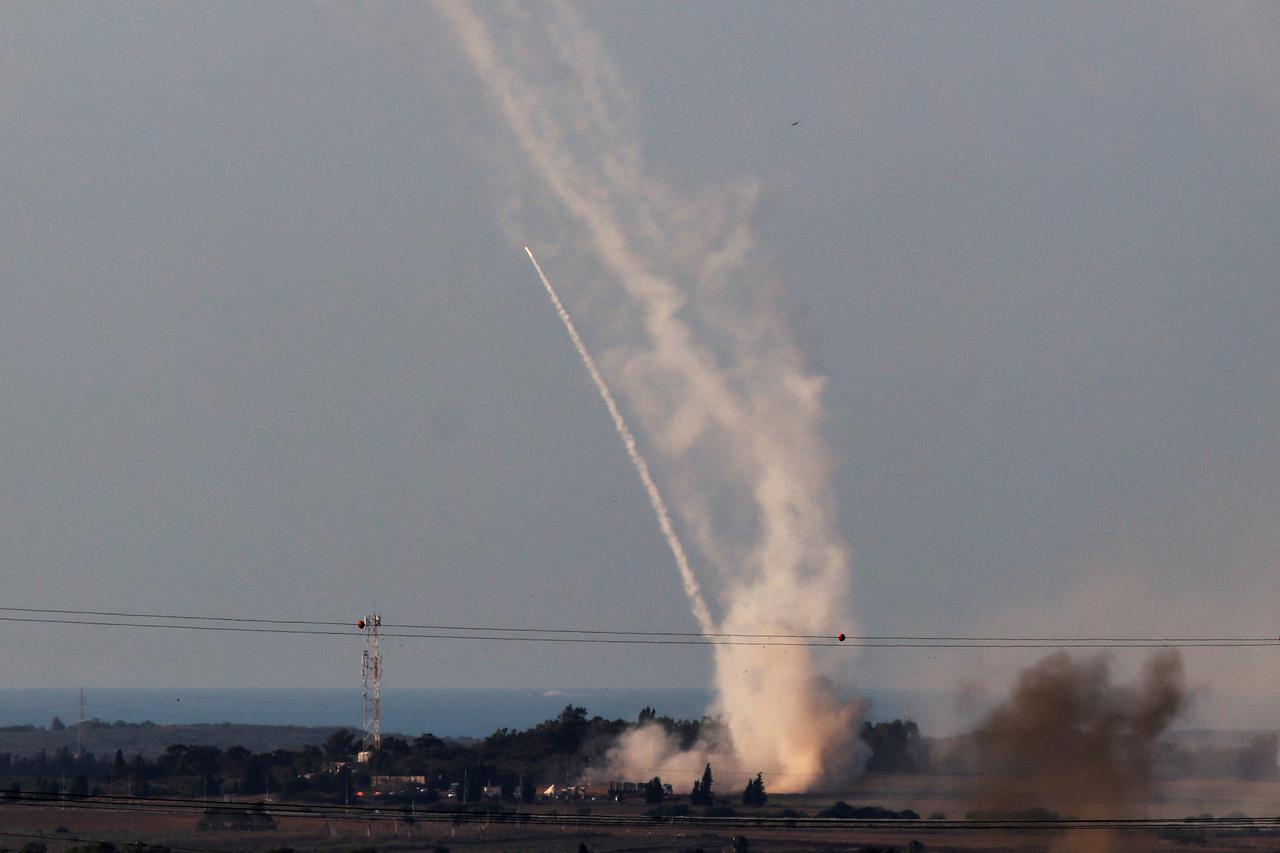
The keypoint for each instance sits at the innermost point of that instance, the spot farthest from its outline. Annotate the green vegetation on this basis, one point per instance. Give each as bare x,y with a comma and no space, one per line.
509,764
842,809
701,795
151,739
1034,813
896,747
754,794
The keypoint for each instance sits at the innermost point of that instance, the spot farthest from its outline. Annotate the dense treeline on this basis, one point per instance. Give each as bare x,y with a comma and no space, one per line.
509,764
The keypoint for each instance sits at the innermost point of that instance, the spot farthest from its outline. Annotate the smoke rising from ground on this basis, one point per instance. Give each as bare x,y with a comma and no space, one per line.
1071,740
699,351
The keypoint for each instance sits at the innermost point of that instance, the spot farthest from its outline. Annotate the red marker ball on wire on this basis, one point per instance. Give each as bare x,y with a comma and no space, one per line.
840,637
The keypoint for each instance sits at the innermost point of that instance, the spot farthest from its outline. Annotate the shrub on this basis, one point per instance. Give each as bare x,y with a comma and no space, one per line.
841,809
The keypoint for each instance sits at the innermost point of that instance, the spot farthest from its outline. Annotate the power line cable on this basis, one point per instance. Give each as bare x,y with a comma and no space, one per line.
422,636
585,635
867,643
389,812
136,615
409,626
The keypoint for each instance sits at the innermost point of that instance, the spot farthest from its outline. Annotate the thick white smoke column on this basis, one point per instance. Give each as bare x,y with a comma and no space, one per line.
697,344
687,577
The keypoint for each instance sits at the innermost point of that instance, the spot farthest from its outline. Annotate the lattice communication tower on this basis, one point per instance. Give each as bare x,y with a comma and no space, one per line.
371,673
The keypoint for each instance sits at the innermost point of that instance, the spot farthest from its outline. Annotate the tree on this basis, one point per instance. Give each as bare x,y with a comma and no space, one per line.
395,745
896,747
567,731
57,725
256,776
653,792
428,743
237,755
79,786
754,794
701,794
138,778
341,744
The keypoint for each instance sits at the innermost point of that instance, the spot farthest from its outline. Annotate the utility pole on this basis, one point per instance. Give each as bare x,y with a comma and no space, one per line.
80,728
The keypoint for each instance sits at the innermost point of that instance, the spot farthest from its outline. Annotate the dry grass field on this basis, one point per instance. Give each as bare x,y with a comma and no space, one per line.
63,828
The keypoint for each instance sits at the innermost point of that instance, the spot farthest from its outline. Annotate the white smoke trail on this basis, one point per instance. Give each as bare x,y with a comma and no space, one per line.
691,588
700,350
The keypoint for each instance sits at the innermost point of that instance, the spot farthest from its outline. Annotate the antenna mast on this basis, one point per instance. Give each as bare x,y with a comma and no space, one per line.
371,675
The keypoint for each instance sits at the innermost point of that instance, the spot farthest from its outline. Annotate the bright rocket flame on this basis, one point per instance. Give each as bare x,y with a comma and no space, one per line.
708,367
687,577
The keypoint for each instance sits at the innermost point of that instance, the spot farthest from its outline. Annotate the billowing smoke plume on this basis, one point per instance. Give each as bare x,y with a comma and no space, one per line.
697,346
1070,740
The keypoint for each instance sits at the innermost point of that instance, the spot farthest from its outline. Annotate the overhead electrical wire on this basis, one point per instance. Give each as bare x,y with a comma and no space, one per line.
381,813
98,843
488,633
135,615
500,638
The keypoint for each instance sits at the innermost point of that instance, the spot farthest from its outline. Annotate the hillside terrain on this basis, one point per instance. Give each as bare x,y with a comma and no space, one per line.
150,740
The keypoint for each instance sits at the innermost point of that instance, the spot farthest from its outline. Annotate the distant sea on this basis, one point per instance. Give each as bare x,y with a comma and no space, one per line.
447,713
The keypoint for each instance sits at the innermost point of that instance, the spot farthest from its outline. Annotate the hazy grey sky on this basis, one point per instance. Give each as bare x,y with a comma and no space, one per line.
269,350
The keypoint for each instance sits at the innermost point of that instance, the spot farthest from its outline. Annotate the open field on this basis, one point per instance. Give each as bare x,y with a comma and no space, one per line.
955,795
603,826
338,834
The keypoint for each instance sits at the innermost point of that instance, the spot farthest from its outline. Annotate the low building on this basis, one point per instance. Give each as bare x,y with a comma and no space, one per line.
391,781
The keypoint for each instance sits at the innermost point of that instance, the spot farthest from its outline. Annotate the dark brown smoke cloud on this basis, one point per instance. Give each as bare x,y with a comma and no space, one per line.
1070,740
